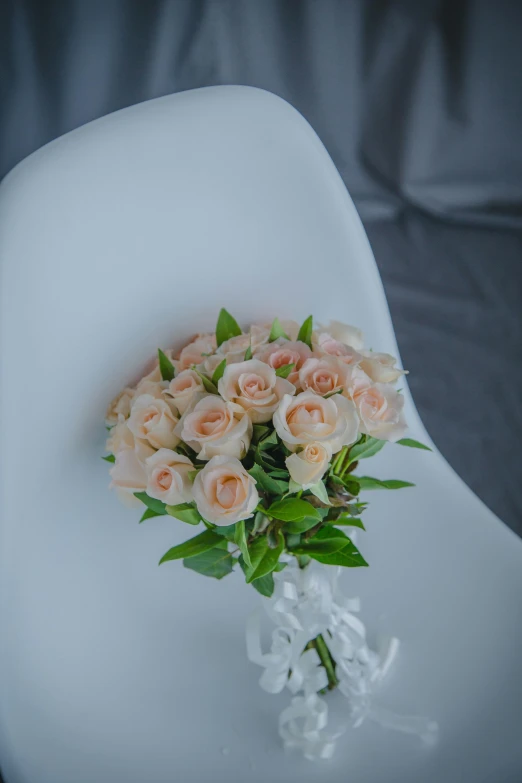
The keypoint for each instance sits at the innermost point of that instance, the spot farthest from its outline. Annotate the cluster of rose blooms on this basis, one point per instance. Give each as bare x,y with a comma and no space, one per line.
183,433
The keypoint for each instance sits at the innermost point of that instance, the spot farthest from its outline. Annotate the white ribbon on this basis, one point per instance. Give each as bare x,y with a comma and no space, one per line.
307,602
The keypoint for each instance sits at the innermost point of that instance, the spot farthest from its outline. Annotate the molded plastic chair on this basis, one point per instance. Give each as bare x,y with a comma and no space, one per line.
114,239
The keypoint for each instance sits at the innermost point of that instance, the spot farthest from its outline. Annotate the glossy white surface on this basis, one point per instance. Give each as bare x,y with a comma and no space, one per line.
113,239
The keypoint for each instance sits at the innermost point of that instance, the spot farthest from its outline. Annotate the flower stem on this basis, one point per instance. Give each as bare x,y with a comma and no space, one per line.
326,660
339,459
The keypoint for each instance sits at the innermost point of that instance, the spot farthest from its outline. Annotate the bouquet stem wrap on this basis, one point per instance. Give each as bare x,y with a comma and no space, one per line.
307,606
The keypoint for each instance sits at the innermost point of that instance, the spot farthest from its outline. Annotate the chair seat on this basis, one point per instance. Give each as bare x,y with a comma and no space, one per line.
118,238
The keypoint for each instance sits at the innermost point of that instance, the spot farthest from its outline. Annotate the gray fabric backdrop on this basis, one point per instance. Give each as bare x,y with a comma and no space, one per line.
419,105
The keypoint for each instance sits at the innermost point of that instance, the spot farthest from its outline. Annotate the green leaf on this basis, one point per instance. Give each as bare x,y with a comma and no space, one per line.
185,512
347,520
226,327
269,441
241,541
263,558
165,366
266,482
260,431
155,505
193,473
277,331
248,353
367,448
109,458
226,531
218,372
285,370
149,514
210,387
265,584
292,510
279,473
294,487
366,482
326,541
301,526
192,547
319,490
349,557
413,444
305,332
215,562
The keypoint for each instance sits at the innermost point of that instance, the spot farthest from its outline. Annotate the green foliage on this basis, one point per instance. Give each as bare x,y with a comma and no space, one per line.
208,385
155,505
349,557
266,482
413,444
248,353
226,327
227,531
218,372
302,525
149,514
263,558
194,546
326,541
216,562
185,512
240,540
165,366
109,458
364,448
292,510
264,585
319,490
347,520
305,332
285,370
277,331
367,482
269,441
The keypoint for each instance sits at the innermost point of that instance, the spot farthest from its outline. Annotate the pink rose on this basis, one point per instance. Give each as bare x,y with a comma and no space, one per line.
224,492
380,367
356,382
282,352
308,466
183,387
327,344
254,386
325,375
215,427
128,472
120,437
380,412
197,351
154,421
343,333
167,477
309,418
120,406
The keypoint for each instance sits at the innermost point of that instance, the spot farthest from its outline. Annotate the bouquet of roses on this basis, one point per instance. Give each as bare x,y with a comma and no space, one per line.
257,435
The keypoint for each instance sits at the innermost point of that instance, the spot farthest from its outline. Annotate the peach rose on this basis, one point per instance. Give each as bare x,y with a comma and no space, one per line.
154,421
309,418
197,351
380,367
224,492
326,344
183,387
356,382
128,472
154,388
323,376
167,477
255,387
214,427
120,406
282,352
380,412
343,333
120,437
308,466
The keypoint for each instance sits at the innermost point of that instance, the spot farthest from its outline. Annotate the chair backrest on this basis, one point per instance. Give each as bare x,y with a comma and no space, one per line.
114,240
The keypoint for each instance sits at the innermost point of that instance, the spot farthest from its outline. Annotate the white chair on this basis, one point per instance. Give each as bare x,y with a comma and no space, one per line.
114,239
